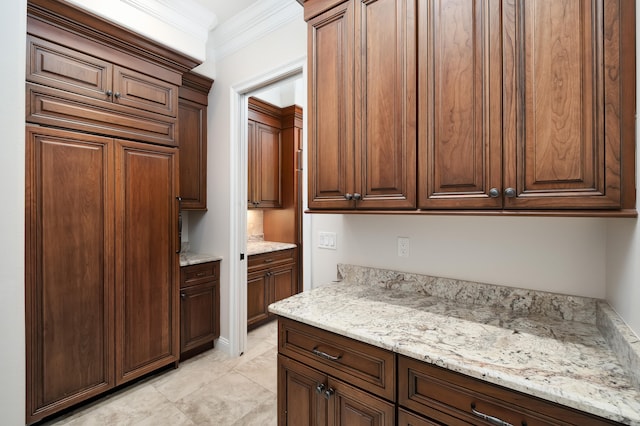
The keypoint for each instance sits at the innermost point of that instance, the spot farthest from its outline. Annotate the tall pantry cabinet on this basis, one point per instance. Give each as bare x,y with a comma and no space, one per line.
102,269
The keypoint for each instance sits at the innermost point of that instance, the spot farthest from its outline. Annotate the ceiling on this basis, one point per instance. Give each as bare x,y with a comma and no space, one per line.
225,9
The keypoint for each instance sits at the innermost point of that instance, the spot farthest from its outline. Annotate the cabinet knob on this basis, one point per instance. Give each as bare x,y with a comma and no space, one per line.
509,192
108,93
117,95
328,393
320,388
348,196
494,193
357,196
183,295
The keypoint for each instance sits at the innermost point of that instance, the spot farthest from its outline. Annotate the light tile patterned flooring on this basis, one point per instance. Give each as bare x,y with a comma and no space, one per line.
209,389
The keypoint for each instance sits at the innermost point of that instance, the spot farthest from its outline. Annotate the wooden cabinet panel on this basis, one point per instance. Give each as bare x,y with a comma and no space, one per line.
331,107
199,307
258,292
270,277
558,150
147,304
350,406
192,140
459,98
264,163
385,109
144,92
69,291
452,398
299,401
406,418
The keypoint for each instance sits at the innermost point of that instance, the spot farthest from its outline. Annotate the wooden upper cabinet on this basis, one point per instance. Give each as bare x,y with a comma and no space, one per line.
560,150
331,62
192,140
147,286
459,103
362,151
264,134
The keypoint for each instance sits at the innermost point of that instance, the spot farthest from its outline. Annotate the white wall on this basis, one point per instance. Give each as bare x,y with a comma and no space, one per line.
210,231
12,169
623,246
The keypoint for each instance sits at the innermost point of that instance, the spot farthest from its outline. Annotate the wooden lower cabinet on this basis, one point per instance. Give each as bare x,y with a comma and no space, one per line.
270,277
310,397
199,307
329,379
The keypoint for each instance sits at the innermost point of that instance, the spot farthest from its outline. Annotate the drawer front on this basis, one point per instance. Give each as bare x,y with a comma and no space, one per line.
441,394
357,363
200,273
54,107
267,260
406,418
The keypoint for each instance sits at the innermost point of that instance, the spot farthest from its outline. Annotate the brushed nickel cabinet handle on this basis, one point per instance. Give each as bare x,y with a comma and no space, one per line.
493,420
325,355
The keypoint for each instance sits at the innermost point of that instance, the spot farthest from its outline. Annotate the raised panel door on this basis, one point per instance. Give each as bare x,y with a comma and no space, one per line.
385,109
459,99
192,140
284,282
257,297
69,269
299,402
267,166
350,406
147,270
198,315
143,92
331,60
560,90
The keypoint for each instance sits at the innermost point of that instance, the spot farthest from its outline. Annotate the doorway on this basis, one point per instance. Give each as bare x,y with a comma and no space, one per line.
285,83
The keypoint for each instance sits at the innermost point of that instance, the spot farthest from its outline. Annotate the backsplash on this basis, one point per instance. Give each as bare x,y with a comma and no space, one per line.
255,222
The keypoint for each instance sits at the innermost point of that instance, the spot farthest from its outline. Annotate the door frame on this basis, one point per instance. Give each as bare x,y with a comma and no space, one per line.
239,95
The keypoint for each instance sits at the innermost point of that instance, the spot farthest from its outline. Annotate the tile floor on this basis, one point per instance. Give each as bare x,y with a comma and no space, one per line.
209,389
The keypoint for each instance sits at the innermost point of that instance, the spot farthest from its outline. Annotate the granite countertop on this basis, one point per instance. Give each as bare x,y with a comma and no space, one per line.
571,350
190,258
261,246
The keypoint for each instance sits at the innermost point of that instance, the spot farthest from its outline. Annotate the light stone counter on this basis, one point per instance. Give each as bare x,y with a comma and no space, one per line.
571,350
189,258
261,246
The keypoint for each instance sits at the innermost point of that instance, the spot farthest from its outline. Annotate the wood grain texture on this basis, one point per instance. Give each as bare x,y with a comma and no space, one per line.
69,268
331,91
460,105
147,284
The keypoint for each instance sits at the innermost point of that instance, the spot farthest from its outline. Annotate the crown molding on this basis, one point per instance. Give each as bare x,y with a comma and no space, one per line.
186,16
253,23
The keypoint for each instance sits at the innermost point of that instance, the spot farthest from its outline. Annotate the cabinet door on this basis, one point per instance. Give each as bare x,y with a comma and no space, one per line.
192,139
257,297
331,107
251,161
459,103
69,269
562,97
198,316
141,91
147,270
267,166
299,402
351,406
385,109
284,282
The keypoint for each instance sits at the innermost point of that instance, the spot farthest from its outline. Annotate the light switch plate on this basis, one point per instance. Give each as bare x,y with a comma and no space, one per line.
327,240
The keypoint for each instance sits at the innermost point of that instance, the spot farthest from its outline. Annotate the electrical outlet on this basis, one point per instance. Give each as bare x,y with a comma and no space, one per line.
327,240
403,246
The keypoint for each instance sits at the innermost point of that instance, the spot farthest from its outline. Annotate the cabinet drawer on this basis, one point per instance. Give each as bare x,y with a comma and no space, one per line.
267,260
197,274
441,394
357,363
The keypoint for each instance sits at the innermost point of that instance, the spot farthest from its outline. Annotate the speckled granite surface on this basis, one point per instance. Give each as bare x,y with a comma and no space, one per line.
189,258
551,346
261,246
